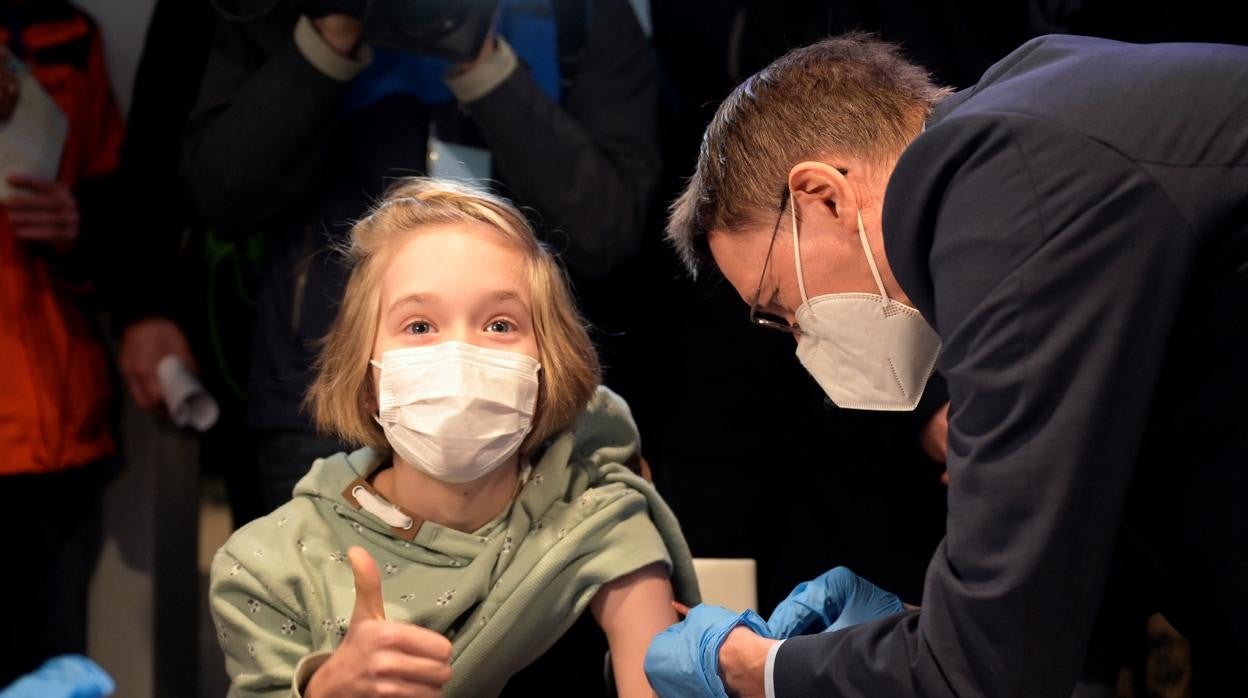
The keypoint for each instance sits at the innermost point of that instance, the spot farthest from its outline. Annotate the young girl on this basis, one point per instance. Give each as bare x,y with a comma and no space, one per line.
492,502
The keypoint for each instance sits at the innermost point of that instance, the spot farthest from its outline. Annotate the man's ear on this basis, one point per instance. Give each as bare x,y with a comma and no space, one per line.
821,190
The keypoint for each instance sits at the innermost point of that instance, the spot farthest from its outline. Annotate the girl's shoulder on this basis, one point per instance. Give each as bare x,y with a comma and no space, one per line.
605,432
274,543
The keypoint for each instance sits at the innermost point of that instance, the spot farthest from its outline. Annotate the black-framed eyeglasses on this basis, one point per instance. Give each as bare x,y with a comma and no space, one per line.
769,320
757,317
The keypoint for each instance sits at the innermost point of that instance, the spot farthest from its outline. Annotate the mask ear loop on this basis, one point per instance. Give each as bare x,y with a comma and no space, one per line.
380,409
875,272
862,238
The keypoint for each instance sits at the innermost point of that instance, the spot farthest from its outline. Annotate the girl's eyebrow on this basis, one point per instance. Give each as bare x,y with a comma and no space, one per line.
416,298
510,296
500,296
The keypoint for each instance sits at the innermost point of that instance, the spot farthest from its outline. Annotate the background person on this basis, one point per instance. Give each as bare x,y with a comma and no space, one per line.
55,388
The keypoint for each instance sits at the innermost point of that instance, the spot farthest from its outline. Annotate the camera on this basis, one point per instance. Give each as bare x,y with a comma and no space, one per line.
450,29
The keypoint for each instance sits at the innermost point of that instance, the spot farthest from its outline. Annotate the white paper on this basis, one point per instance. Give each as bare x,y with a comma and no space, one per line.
31,141
188,402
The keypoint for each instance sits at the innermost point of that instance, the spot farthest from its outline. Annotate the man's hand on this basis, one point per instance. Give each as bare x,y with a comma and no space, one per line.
342,32
42,210
684,660
834,600
379,657
743,663
934,438
143,345
70,675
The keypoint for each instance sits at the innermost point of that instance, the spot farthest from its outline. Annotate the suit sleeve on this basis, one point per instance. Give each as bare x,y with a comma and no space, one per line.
1056,268
590,167
256,137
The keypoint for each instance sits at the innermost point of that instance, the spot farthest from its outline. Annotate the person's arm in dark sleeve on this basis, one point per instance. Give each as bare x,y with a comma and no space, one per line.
591,166
930,420
934,397
269,98
1057,267
176,47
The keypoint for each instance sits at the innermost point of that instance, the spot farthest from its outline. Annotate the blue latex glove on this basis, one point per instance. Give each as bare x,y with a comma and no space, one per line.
834,600
683,661
68,676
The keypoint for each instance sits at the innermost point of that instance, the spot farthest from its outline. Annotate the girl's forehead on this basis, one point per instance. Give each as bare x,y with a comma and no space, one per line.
457,256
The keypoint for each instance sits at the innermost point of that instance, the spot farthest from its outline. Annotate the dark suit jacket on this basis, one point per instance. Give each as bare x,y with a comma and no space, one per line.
1076,229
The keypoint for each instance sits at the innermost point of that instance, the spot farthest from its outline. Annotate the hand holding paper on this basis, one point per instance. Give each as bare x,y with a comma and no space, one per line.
42,210
32,139
188,402
144,343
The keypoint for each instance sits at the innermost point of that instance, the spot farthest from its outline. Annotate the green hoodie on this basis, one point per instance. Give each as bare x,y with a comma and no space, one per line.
282,589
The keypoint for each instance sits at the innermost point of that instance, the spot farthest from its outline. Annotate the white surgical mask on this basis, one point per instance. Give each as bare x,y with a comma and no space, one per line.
867,352
456,411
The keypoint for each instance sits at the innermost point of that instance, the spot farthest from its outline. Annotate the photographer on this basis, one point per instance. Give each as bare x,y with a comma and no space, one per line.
307,109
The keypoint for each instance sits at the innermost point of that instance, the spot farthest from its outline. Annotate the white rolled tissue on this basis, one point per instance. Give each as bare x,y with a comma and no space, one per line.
188,402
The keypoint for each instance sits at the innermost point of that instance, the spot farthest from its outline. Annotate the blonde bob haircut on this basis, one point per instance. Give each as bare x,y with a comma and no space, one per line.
343,399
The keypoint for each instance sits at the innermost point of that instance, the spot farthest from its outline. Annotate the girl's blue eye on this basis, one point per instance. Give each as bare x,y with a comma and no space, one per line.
419,327
500,326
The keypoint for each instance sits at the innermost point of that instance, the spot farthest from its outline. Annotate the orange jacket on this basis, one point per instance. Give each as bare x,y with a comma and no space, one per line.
55,390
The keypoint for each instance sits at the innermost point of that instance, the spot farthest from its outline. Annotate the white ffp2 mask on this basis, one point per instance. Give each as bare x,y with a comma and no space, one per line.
456,411
867,352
